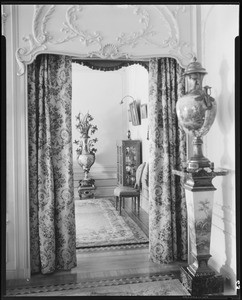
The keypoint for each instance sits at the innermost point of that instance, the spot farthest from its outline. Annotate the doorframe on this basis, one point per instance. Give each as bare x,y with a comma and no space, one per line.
17,200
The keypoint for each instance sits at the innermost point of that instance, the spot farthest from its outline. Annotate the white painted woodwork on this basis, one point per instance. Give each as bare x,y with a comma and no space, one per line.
219,27
106,31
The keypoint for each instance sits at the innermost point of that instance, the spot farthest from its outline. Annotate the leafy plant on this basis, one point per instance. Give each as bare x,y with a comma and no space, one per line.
85,127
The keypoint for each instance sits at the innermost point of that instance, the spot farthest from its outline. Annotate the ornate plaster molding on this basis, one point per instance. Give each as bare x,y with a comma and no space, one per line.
40,38
175,46
178,9
109,51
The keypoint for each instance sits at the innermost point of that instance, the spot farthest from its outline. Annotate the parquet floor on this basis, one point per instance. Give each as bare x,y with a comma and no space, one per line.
114,263
103,265
106,263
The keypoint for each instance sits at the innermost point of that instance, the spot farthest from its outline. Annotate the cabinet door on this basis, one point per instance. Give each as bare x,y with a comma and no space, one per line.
131,161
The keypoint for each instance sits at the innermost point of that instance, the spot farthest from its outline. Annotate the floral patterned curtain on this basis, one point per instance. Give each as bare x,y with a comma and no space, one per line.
167,214
51,189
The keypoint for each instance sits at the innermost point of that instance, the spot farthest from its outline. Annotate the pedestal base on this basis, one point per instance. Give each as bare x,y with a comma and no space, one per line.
86,192
201,285
86,189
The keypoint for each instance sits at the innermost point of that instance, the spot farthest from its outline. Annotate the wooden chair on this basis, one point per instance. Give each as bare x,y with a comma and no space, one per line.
121,192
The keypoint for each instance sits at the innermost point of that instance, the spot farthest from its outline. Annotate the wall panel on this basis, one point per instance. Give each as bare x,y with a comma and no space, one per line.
219,27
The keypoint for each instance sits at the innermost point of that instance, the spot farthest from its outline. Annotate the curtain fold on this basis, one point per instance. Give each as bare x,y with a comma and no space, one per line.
51,187
167,214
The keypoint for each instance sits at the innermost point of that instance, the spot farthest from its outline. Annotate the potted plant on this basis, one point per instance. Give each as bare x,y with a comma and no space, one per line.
85,150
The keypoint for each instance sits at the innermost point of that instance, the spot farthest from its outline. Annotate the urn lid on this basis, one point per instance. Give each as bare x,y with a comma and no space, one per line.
194,67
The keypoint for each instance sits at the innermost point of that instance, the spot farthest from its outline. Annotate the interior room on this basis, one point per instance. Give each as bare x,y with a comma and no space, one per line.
121,155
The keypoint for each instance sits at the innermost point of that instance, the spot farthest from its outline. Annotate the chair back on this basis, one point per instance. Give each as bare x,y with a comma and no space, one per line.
139,172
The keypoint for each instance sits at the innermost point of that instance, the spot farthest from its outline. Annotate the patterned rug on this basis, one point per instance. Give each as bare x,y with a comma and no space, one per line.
98,224
160,288
154,285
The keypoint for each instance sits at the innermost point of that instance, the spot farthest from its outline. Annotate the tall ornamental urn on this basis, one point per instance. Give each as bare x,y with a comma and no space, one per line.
86,153
196,112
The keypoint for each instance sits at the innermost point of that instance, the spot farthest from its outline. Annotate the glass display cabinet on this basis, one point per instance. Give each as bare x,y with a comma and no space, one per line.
128,160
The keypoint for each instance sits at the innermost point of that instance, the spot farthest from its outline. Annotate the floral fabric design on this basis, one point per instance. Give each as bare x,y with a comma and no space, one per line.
51,188
167,211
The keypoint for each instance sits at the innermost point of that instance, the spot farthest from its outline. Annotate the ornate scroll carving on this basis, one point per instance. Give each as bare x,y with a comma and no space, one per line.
73,32
109,51
178,8
164,36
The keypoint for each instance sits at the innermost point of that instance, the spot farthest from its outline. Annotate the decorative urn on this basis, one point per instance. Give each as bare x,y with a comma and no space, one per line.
86,150
86,159
196,112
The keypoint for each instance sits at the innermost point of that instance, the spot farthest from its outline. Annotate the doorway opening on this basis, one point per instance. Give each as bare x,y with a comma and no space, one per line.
99,92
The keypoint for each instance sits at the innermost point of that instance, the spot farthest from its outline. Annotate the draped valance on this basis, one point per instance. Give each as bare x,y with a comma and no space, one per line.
110,65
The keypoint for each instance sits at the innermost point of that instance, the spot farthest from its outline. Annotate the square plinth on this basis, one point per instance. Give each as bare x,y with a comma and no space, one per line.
202,285
86,192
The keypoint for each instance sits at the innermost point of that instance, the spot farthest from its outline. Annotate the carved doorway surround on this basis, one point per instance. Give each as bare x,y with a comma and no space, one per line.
137,32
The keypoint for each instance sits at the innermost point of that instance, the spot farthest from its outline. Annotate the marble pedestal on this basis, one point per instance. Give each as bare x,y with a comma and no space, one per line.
198,278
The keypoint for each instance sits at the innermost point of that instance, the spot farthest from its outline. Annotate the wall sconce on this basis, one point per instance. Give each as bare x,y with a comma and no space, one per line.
134,113
122,100
196,112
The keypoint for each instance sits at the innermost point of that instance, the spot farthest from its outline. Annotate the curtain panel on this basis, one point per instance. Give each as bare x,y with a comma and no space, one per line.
51,188
167,214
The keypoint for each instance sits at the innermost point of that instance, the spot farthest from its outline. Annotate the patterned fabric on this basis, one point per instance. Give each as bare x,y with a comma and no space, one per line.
167,216
51,188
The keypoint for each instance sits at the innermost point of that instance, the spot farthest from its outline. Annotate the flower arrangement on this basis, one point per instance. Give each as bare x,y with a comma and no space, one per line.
85,144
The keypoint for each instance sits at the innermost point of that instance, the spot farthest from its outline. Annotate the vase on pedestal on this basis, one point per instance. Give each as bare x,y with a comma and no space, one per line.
196,113
86,155
86,185
86,159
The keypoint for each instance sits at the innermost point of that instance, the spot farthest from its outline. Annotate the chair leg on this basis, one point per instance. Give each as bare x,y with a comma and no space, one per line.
123,202
120,205
138,204
135,203
116,202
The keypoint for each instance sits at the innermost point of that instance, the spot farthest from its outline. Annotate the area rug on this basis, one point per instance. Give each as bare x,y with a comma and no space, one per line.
99,224
160,288
170,287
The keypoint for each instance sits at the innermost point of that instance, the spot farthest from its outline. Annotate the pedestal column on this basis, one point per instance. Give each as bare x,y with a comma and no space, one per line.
198,278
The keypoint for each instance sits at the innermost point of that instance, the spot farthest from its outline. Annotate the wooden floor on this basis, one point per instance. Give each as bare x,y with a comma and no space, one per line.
103,265
141,219
106,264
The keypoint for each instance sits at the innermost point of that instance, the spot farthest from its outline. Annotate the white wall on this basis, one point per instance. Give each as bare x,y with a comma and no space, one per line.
219,27
99,93
136,85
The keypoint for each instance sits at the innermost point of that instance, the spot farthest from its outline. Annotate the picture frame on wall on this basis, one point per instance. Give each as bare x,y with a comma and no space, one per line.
133,107
144,111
